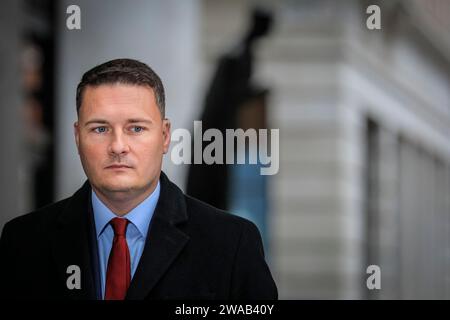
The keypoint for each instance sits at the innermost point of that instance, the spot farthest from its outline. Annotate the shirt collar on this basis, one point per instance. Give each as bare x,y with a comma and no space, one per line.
139,216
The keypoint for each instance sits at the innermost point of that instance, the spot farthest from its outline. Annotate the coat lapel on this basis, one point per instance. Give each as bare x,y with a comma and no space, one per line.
71,245
164,240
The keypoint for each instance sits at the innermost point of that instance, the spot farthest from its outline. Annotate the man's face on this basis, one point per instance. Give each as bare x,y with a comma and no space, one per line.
121,138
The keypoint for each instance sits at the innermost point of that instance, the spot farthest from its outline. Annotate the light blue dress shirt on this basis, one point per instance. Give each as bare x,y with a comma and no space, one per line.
136,234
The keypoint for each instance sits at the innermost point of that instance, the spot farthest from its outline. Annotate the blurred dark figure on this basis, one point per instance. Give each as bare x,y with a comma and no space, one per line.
38,66
230,91
38,120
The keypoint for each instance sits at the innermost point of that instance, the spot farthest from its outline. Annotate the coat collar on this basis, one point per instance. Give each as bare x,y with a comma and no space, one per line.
73,243
164,240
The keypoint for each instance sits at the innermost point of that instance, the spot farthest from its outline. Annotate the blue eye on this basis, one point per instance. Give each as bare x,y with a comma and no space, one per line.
100,129
137,129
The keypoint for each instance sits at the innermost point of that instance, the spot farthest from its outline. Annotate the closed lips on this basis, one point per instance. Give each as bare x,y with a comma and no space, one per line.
114,166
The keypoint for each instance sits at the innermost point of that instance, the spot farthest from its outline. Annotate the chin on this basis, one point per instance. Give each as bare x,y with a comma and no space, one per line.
118,185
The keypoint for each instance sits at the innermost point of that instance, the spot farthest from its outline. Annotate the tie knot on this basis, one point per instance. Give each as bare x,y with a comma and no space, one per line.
119,226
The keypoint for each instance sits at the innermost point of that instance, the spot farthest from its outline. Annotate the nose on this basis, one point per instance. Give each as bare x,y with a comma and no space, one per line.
118,145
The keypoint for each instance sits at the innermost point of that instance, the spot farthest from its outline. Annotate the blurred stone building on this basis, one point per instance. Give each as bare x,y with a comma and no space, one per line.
364,118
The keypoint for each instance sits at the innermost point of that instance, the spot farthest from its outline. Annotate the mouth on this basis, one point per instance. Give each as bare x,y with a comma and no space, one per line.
118,166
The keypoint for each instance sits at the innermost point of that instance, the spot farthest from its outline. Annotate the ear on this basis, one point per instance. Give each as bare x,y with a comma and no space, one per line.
166,135
76,131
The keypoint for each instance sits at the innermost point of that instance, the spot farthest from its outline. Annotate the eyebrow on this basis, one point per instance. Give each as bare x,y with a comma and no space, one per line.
101,121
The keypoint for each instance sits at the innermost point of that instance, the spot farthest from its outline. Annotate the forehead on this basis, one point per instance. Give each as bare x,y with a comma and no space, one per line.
118,99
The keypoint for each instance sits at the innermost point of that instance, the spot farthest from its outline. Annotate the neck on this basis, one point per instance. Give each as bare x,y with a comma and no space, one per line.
120,203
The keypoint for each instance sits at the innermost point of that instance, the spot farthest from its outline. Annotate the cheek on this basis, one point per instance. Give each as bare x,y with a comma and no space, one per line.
149,151
152,142
91,153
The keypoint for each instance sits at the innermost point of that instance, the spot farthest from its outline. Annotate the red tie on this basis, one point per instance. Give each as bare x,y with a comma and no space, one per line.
118,274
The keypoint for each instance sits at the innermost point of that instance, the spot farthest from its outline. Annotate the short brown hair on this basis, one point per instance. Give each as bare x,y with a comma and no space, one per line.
126,71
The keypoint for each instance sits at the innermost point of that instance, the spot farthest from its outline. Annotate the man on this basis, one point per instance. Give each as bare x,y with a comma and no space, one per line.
129,233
